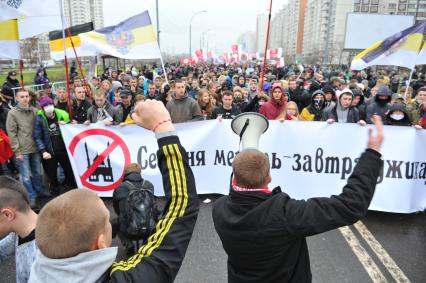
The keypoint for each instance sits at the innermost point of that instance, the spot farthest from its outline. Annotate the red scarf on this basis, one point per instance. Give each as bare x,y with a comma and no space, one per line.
237,188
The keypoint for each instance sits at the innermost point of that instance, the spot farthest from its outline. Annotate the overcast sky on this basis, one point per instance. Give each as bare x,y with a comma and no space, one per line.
225,20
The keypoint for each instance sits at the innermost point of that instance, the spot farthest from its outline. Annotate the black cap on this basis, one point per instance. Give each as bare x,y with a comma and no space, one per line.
125,92
12,73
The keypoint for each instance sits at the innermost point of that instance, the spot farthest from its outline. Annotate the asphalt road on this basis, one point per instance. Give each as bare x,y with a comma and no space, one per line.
395,251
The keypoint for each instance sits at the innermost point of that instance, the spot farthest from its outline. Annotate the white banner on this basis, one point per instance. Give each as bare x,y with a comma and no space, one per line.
307,159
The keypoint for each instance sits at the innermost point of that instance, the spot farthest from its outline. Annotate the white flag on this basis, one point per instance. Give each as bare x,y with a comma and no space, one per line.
13,9
33,26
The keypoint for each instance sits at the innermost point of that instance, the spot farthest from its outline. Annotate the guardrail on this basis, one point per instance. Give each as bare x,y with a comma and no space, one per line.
38,87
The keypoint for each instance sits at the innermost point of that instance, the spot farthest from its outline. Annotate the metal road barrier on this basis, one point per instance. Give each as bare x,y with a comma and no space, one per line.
38,87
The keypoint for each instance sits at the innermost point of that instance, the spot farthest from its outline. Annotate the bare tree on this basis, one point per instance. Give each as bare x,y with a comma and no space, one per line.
30,50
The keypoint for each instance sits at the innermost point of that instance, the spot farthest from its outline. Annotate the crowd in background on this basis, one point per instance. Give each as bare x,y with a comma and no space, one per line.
29,120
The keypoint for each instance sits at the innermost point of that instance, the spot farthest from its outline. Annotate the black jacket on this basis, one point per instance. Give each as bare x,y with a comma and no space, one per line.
160,258
379,107
300,97
79,113
264,234
226,114
11,83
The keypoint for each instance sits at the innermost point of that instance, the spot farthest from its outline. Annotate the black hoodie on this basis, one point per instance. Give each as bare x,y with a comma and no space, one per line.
314,110
390,121
379,107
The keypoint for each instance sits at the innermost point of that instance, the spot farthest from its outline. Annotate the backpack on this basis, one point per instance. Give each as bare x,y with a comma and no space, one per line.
141,212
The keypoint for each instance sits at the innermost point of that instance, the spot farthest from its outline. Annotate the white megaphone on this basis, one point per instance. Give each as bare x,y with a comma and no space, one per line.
249,127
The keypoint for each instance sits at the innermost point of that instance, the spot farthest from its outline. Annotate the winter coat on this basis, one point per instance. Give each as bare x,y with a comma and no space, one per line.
264,234
184,109
11,83
41,80
155,262
272,109
115,113
19,127
41,131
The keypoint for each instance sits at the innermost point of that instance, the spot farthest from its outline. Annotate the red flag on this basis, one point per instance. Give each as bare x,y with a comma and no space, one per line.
200,55
234,48
280,63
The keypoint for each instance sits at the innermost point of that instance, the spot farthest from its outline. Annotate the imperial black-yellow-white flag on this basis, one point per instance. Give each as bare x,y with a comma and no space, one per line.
57,42
401,49
134,38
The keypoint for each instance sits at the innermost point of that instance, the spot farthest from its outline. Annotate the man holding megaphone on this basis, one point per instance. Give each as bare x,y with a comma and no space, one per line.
264,231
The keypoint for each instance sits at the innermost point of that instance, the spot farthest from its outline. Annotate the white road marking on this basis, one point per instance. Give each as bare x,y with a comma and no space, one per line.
381,253
367,262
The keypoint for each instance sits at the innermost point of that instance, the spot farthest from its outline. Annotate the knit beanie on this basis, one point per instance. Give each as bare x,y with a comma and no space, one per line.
45,100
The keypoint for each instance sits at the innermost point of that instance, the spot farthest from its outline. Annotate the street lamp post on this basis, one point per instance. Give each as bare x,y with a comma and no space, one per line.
158,23
190,30
202,38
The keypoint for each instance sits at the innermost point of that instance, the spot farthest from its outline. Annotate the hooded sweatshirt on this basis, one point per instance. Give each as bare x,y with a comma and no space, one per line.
273,108
379,107
313,112
84,267
23,249
391,121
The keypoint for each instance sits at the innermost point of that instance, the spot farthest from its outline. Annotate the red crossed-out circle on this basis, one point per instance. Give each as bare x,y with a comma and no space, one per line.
117,141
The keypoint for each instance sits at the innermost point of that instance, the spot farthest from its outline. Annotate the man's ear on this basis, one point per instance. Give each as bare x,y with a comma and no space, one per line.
101,242
234,182
8,213
269,179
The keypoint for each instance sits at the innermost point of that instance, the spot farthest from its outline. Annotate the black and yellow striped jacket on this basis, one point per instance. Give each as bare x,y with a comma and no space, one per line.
160,258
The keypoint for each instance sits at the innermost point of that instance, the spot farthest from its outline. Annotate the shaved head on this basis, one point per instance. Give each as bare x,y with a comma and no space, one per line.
251,169
70,224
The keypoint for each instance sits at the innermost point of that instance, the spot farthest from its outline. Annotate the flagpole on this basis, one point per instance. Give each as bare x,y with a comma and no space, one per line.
21,67
266,45
164,69
88,89
408,83
414,68
66,59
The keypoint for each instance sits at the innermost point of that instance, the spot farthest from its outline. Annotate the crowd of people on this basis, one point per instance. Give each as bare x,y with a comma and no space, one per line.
29,120
73,231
